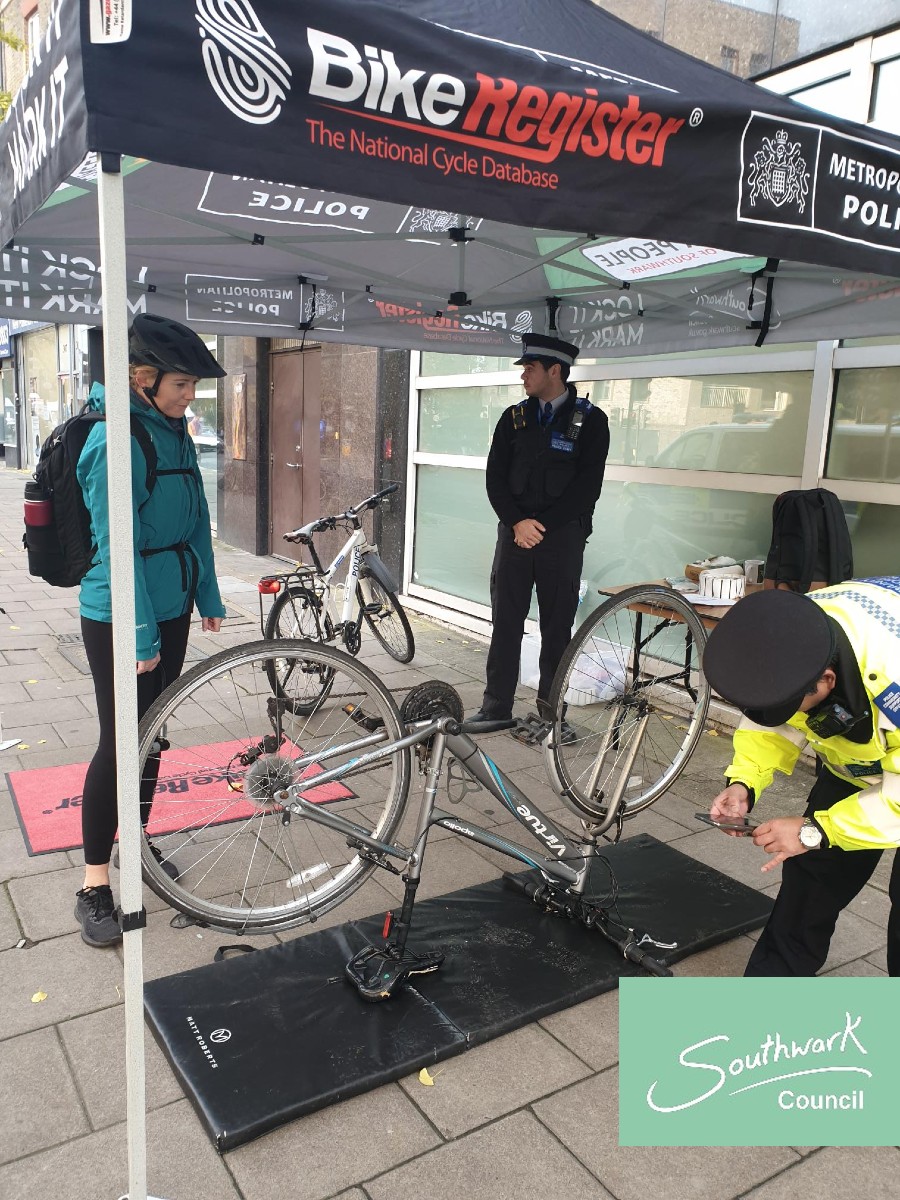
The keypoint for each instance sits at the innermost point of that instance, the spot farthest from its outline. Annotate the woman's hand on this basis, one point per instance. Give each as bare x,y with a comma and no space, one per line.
146,665
211,624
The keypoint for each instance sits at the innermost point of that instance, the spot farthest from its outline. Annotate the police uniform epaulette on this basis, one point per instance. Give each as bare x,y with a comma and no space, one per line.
519,414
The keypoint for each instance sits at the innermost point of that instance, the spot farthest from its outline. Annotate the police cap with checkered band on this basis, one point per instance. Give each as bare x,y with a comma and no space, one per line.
540,346
767,653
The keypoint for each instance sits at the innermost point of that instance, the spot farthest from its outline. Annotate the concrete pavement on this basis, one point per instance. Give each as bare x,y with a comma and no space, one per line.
530,1114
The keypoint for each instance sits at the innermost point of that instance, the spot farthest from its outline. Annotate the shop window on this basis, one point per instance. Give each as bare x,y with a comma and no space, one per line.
865,434
756,423
434,362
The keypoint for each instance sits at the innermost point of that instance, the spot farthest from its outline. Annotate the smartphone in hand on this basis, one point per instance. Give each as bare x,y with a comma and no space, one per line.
739,825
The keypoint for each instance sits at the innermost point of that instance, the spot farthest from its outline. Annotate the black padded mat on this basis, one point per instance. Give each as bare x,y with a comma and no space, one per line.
262,1038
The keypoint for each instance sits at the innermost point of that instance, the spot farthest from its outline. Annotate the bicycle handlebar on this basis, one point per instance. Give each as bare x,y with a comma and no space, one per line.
375,499
651,965
305,532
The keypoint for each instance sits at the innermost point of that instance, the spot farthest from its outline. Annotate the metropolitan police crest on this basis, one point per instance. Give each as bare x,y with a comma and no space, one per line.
778,172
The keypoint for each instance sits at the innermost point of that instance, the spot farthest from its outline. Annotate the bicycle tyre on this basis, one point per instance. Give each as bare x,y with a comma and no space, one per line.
391,624
247,864
608,695
297,613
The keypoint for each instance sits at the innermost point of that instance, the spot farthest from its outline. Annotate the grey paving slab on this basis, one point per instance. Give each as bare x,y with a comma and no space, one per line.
869,1171
33,743
75,978
79,733
39,1106
494,1079
334,1149
36,668
8,816
872,905
513,1159
861,968
737,857
181,1164
45,904
455,866
14,694
95,1049
168,951
854,938
726,960
878,959
16,862
585,1119
373,897
590,1030
51,689
10,930
881,876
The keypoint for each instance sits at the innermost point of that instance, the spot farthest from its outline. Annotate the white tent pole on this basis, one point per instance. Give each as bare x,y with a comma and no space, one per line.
111,200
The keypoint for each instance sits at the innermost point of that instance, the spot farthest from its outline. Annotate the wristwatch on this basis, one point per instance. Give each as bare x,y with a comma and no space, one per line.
810,835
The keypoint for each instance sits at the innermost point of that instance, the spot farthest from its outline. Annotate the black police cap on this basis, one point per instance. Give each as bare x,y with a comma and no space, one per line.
538,345
767,652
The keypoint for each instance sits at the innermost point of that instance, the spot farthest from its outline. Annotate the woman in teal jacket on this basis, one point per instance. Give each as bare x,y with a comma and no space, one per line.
173,571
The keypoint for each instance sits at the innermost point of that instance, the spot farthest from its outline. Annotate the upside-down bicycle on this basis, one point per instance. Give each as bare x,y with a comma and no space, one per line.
296,794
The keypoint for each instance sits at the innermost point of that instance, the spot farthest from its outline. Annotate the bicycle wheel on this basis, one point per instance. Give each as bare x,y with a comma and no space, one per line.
226,749
386,618
638,656
298,613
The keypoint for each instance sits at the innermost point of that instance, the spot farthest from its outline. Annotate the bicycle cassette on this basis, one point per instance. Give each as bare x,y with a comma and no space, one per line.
431,699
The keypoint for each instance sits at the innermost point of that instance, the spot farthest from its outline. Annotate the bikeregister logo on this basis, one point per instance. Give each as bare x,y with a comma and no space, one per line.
499,115
248,74
758,1062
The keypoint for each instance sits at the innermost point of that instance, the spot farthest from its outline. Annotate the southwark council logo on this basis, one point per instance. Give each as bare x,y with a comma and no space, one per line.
246,71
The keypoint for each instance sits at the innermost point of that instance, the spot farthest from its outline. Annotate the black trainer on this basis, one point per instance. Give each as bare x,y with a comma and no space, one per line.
96,912
166,863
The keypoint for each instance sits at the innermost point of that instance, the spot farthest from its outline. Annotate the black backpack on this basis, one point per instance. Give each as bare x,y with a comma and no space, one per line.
810,541
57,523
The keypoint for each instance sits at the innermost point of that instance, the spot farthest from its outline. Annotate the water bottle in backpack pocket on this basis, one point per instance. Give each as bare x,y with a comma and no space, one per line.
46,557
57,534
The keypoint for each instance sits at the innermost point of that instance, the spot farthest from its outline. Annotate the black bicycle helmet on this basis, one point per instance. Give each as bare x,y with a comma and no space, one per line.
170,346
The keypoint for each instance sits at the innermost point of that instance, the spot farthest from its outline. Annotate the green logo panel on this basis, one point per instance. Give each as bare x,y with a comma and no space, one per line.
759,1062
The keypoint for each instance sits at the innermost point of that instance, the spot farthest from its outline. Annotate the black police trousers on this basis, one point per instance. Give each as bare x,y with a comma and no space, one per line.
553,567
815,888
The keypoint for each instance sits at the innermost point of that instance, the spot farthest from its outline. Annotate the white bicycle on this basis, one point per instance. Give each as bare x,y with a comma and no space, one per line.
305,607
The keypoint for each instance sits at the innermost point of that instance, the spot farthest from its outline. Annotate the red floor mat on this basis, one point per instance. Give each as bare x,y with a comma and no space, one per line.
48,799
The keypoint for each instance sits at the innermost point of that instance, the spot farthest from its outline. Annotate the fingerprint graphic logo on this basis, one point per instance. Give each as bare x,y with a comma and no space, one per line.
248,74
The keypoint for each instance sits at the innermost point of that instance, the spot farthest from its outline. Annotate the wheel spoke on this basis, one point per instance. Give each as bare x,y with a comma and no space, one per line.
638,655
219,808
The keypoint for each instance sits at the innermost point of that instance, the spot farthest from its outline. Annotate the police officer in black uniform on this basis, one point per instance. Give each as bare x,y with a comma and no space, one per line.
544,475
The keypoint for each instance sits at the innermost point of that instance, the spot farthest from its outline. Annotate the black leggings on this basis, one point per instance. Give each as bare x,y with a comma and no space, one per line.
815,888
99,809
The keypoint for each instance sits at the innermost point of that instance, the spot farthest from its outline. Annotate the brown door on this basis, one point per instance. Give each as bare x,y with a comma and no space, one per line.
294,444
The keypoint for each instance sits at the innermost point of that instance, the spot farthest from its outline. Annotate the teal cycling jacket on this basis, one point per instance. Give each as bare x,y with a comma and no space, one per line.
175,515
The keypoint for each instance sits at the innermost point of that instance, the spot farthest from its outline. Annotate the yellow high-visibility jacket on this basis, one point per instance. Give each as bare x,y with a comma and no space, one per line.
869,819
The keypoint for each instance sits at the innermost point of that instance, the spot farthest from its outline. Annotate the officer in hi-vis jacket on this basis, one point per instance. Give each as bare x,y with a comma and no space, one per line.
544,475
823,671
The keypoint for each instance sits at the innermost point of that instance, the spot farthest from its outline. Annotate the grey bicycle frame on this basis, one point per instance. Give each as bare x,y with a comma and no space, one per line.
448,739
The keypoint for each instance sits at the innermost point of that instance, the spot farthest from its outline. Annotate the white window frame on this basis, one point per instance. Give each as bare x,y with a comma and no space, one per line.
822,358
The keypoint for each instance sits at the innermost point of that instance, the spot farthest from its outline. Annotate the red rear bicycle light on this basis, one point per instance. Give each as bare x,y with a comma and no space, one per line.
269,587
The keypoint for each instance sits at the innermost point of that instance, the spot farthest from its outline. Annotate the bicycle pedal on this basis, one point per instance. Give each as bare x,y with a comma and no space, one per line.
372,609
377,973
530,730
